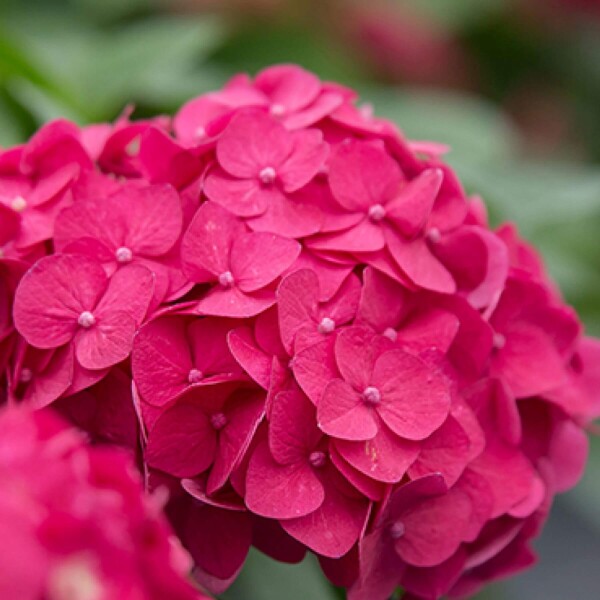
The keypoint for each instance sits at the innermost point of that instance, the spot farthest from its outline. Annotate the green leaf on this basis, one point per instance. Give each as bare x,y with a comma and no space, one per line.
10,130
98,72
264,579
457,14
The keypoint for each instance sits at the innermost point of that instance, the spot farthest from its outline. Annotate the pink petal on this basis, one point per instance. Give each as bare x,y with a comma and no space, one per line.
410,210
207,242
415,400
289,86
232,302
362,175
251,142
161,360
99,219
251,358
365,236
434,529
356,351
9,224
568,452
52,295
182,441
314,367
334,527
374,490
382,302
342,413
130,290
323,106
380,568
51,383
225,542
163,160
270,538
446,452
430,329
307,157
420,265
292,432
243,418
281,491
528,361
297,297
210,351
343,306
259,258
384,458
330,275
154,218
478,261
497,460
106,343
292,216
243,197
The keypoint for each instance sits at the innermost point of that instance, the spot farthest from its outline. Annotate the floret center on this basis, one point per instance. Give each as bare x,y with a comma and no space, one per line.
267,175
123,254
86,319
277,110
499,341
19,204
195,376
218,421
376,212
317,459
434,235
226,279
326,325
397,530
391,334
371,395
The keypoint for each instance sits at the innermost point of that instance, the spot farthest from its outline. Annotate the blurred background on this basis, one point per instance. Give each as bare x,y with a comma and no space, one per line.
513,86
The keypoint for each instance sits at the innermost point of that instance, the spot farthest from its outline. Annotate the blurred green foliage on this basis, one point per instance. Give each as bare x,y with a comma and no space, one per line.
87,60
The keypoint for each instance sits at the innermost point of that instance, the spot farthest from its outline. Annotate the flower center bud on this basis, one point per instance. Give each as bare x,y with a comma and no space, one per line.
376,213
267,175
499,341
26,375
277,110
434,235
200,133
371,396
326,325
226,279
123,255
317,459
391,334
86,319
218,421
195,376
323,170
19,204
397,530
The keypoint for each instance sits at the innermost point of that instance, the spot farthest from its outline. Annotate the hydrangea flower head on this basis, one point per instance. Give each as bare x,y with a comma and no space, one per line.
305,329
78,523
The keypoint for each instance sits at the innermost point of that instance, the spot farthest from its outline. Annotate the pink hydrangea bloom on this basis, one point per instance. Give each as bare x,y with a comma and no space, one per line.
78,523
304,329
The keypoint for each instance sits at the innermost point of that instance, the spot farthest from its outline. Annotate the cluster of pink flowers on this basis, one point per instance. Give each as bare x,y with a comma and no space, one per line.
75,523
306,327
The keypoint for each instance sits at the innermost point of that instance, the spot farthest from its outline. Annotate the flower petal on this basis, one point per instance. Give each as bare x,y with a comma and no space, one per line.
343,414
415,400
